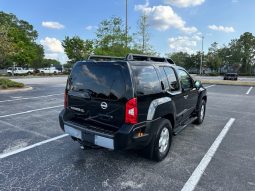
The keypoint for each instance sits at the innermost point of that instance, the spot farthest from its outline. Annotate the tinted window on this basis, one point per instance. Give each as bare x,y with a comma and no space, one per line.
146,80
164,78
172,80
99,81
185,79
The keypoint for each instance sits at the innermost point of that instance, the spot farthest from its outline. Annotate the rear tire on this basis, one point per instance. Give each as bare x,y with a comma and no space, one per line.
201,113
160,144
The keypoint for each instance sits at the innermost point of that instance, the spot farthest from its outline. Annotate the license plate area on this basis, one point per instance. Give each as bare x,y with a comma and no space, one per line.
90,137
73,132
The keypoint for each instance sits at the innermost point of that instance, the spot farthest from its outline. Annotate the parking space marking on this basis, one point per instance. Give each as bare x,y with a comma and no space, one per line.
210,86
4,155
24,130
192,182
25,98
30,111
249,90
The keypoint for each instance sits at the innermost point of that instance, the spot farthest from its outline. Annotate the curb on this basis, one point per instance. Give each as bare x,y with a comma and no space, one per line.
27,88
231,83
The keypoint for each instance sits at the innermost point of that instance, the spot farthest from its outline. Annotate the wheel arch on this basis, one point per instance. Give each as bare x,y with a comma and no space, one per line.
171,118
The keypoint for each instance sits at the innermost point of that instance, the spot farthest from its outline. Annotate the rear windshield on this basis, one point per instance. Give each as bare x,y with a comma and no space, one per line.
231,74
103,81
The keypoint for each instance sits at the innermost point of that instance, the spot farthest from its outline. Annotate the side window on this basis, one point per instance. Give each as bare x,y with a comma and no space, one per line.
147,81
185,79
164,78
172,80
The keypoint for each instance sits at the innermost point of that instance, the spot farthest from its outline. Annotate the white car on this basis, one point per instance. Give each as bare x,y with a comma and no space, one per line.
19,71
51,70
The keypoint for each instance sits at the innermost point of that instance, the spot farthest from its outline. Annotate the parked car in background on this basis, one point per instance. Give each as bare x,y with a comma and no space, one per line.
19,71
230,76
50,70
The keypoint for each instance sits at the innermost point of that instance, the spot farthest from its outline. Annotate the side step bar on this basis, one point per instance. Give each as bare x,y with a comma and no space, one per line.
180,128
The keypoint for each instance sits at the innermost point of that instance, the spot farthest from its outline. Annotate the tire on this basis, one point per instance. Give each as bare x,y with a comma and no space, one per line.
201,113
160,144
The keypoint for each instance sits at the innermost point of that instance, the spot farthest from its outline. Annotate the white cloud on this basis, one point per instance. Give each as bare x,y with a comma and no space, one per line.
52,25
163,17
90,27
185,3
189,29
53,49
221,28
184,43
52,45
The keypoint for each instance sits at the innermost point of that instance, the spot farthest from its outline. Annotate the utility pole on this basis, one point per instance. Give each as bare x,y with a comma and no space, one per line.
201,64
126,23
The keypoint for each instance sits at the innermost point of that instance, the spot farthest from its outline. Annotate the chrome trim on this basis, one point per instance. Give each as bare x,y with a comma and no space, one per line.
154,104
104,105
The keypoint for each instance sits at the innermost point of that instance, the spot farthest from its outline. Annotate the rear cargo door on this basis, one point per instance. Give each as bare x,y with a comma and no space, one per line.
96,92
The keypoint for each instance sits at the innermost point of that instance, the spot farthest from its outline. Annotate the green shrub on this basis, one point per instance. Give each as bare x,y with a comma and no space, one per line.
245,74
213,74
6,83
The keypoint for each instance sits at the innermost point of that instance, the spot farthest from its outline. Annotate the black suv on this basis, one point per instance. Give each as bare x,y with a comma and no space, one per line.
137,102
230,76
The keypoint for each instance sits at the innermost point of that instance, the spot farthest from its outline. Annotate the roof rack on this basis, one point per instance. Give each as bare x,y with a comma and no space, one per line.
140,57
104,58
131,57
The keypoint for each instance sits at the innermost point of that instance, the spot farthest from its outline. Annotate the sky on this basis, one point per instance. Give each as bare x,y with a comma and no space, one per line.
174,25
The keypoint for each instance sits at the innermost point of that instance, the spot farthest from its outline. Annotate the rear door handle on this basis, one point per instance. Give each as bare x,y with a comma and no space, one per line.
186,96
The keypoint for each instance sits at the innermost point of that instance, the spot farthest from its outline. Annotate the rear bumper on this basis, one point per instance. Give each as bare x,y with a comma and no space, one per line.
124,138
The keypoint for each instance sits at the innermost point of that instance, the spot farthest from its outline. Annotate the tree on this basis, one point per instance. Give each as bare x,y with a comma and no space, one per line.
142,43
51,63
180,58
246,45
7,48
213,59
111,38
77,49
18,38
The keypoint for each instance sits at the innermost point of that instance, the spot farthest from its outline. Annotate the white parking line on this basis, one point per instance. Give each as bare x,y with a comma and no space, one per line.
10,100
4,155
30,111
249,90
210,86
190,185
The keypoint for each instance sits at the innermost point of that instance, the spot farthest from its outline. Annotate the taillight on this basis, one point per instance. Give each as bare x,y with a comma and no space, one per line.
131,111
65,99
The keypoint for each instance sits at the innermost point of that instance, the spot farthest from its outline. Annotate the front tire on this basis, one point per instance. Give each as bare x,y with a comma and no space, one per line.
201,113
161,143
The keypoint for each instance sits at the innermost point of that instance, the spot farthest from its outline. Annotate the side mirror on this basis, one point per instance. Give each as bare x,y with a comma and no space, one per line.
198,84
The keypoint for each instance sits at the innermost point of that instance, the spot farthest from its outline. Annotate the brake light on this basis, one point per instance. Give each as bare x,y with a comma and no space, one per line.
131,111
65,100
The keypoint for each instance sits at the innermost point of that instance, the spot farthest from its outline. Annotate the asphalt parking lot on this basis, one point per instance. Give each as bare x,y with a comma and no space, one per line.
51,161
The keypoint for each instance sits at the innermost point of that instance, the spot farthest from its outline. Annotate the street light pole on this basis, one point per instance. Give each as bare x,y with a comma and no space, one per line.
201,64
126,23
